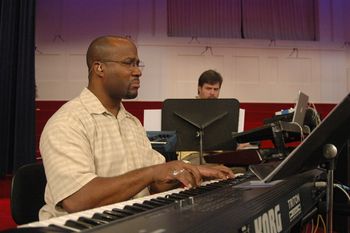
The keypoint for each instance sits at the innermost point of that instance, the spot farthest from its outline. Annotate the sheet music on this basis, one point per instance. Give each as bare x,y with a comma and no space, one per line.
152,119
241,120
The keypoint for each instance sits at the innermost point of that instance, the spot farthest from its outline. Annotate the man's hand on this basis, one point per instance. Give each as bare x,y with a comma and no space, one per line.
188,175
177,171
210,171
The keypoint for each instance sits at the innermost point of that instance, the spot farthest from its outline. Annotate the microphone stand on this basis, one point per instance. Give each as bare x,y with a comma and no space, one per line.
330,152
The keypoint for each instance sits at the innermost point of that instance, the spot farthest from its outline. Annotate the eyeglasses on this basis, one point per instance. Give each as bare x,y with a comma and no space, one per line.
131,64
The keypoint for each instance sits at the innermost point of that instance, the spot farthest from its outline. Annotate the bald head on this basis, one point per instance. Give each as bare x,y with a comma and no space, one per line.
114,71
103,47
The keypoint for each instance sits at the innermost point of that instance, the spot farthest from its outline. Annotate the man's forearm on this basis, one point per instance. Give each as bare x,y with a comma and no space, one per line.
107,190
162,187
102,191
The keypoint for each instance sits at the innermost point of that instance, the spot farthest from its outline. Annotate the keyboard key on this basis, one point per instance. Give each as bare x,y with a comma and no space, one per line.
123,211
116,214
78,225
180,195
167,200
144,205
59,228
135,209
154,203
104,217
94,222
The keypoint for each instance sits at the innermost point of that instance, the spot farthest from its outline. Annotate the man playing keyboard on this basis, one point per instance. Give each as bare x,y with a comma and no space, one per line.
95,152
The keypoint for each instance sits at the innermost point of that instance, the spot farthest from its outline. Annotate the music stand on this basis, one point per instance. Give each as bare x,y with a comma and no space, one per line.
204,124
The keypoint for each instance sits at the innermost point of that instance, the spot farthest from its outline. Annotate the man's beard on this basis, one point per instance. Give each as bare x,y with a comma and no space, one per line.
117,95
131,95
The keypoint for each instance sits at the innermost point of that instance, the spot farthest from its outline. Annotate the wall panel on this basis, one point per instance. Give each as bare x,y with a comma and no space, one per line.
253,70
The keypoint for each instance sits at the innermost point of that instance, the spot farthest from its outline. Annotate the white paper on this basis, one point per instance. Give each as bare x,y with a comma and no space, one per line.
152,119
241,120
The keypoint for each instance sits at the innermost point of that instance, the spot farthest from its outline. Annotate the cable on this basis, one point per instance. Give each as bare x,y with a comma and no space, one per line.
323,184
312,226
301,131
316,227
345,187
323,223
343,190
318,119
319,217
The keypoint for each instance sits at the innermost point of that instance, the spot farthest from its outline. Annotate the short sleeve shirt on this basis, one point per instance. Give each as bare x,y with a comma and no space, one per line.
83,140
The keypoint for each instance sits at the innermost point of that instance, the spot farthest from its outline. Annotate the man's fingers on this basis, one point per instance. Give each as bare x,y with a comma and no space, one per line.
228,172
185,177
193,170
219,172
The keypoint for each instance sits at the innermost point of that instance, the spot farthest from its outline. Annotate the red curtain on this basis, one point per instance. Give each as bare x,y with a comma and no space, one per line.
251,19
204,18
280,19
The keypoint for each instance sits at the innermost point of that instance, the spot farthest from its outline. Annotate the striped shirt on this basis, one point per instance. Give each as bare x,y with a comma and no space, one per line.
83,140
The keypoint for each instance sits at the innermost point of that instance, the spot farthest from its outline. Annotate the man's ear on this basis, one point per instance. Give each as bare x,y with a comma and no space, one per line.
198,90
98,68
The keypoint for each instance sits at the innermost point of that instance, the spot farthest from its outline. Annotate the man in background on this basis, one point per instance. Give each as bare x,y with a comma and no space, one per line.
209,86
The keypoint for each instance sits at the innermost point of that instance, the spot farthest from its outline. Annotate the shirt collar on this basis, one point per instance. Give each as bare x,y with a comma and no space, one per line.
94,105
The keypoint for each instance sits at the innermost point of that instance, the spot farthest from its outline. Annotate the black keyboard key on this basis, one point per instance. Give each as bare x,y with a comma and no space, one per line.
215,185
176,198
169,197
60,228
144,205
165,202
78,225
166,199
180,196
104,217
94,222
192,192
135,209
207,188
123,211
116,214
204,189
225,181
154,203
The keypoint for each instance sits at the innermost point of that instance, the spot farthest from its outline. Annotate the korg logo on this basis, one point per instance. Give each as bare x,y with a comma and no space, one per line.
294,207
269,222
